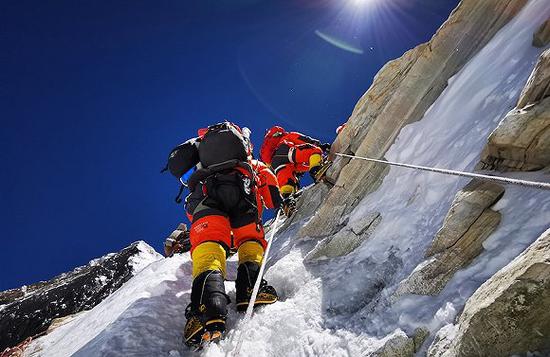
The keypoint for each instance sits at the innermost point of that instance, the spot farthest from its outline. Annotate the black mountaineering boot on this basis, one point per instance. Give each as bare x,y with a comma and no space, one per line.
246,278
207,311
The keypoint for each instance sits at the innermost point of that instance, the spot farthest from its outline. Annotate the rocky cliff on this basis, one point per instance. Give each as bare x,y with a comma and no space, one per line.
474,97
509,313
401,93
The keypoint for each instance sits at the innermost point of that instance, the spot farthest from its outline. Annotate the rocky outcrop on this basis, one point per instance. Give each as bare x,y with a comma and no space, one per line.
538,85
308,203
399,344
30,310
419,337
346,240
467,207
467,224
522,140
61,321
508,314
400,94
541,37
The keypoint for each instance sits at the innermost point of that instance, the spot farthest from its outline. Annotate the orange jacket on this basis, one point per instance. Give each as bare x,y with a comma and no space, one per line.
267,187
292,139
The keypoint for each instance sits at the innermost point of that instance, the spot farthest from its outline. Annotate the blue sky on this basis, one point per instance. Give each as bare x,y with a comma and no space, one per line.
94,94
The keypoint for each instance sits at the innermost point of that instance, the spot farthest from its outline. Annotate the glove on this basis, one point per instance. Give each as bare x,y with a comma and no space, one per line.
178,242
326,147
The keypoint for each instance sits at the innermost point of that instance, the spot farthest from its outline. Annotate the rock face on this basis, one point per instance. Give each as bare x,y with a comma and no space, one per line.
467,224
467,207
538,85
509,313
522,140
398,345
541,38
29,310
346,240
400,94
309,201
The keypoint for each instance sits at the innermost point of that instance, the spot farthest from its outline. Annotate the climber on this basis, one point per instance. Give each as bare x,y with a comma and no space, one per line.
178,242
340,128
227,194
291,154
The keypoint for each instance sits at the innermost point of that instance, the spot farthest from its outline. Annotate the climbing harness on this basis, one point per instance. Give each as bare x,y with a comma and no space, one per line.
499,179
250,308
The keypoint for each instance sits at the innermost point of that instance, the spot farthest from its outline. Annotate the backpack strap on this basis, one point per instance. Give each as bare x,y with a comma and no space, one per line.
180,192
203,173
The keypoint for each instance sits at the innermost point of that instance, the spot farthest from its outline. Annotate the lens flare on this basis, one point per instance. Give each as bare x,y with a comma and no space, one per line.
361,2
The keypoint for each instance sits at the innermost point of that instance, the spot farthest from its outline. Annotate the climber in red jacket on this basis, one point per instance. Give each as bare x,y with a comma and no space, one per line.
228,191
291,154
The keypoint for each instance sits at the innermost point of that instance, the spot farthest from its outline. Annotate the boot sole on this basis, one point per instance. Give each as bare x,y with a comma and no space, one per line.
242,306
213,333
189,341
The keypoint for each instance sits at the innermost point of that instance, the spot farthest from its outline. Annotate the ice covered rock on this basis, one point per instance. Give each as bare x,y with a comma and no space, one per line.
431,277
359,286
508,314
521,141
61,321
442,341
467,224
397,345
401,93
30,310
419,337
541,37
538,85
346,240
468,205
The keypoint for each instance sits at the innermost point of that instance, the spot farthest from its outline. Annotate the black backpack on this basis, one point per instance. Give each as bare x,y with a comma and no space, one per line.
222,146
222,143
183,158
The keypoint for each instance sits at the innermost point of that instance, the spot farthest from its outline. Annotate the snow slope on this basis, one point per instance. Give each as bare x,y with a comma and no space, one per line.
343,307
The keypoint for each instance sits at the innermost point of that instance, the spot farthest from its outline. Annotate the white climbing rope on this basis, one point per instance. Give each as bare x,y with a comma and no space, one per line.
250,307
499,179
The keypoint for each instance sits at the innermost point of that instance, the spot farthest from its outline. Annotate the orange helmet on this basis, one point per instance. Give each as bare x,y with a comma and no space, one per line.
274,132
340,128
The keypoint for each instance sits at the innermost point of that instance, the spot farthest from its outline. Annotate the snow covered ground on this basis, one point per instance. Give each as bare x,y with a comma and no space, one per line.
342,307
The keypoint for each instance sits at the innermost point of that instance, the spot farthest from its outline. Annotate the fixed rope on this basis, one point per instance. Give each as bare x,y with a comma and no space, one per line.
499,179
250,307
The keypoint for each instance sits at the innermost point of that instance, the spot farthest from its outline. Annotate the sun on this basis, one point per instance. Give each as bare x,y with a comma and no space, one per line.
361,2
